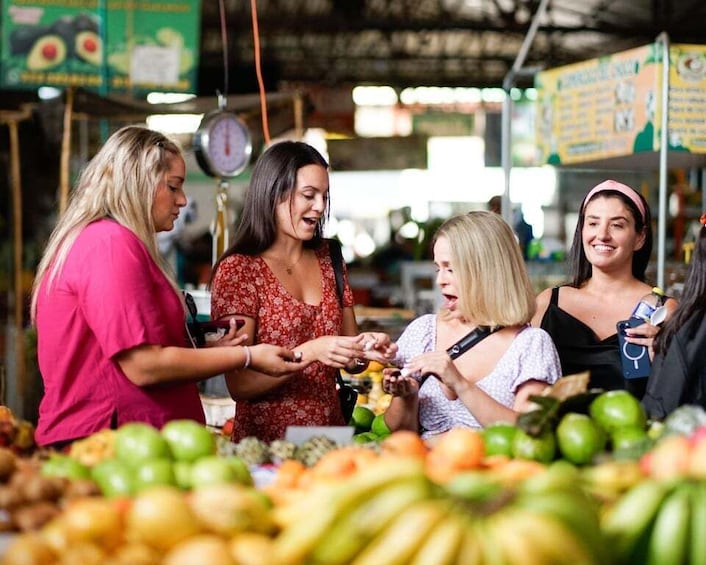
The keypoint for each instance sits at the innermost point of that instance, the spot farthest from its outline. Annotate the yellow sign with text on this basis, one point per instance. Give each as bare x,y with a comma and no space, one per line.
611,106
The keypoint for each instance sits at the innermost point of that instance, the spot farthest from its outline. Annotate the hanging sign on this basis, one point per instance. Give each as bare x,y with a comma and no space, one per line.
611,106
114,46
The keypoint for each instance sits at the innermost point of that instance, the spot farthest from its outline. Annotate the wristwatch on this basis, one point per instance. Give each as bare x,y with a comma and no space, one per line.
222,144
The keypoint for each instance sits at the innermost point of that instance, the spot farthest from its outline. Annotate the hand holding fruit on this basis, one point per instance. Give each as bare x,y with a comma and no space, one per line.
396,384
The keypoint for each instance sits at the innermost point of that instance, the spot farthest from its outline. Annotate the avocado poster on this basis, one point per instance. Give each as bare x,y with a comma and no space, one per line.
109,46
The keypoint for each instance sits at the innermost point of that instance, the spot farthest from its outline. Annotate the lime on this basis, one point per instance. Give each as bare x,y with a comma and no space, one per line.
541,448
617,409
498,437
580,439
366,437
629,437
379,427
362,418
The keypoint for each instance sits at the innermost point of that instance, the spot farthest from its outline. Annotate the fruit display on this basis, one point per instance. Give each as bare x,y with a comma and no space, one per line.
137,456
391,512
218,524
30,498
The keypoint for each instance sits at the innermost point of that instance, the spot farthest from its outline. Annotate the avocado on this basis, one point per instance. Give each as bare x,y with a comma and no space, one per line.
22,38
64,28
85,22
47,52
88,47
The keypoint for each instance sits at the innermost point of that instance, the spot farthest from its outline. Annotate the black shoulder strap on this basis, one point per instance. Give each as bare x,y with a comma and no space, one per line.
555,296
337,261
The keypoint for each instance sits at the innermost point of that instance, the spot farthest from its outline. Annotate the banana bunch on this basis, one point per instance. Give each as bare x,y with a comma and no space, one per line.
659,522
391,513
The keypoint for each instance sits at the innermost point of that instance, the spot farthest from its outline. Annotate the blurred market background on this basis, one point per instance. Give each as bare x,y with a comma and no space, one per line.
424,109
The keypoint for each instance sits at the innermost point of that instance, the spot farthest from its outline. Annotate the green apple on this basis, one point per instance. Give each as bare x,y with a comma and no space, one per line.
182,474
114,478
212,470
154,472
189,440
59,465
136,442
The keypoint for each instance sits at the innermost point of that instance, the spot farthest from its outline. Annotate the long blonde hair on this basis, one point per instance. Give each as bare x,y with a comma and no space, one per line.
494,286
120,182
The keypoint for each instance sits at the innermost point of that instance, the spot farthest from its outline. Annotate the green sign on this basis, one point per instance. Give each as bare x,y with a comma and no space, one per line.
108,46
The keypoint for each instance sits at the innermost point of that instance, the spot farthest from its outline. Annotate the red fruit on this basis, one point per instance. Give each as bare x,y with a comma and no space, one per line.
227,428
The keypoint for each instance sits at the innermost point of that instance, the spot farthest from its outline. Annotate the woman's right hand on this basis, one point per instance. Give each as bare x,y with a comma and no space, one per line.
397,385
274,360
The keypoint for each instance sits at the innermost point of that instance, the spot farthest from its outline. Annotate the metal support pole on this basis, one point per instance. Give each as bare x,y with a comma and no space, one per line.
508,82
663,38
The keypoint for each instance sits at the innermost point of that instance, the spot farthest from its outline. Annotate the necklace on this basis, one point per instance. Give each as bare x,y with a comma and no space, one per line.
288,268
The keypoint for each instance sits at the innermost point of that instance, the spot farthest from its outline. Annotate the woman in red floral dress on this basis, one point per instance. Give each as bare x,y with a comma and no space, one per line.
278,276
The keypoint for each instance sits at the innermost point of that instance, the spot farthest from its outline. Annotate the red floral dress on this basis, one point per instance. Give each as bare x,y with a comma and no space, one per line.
244,285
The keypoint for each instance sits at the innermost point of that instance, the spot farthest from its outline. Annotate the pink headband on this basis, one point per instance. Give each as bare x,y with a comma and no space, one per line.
617,187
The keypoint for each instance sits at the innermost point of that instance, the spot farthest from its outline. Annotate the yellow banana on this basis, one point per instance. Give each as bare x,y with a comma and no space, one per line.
670,533
304,527
508,540
401,539
551,541
577,512
471,550
697,551
443,544
629,520
354,531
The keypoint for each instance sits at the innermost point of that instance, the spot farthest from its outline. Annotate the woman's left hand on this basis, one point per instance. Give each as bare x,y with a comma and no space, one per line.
643,334
439,365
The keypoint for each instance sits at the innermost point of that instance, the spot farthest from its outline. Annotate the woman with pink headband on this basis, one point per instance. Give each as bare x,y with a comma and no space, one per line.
609,255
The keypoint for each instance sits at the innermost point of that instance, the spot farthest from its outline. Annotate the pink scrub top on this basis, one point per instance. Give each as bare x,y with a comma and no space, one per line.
110,296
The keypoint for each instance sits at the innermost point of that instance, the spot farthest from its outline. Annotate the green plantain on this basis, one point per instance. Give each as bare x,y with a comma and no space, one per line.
697,552
668,544
628,522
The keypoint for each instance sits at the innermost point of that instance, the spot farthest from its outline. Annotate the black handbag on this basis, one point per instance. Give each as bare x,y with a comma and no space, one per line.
347,395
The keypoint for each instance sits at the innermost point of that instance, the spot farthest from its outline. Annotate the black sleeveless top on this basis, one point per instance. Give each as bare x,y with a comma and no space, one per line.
580,350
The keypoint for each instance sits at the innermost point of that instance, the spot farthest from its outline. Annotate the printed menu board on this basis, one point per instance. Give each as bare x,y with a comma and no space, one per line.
611,106
108,46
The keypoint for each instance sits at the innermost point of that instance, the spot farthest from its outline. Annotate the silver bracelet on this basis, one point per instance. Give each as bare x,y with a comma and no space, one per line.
248,358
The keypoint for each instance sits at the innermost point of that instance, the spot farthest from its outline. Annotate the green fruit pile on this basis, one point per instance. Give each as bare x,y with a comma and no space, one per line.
612,421
369,427
391,513
182,454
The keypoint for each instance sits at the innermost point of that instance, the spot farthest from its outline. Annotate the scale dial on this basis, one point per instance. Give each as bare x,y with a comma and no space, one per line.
222,144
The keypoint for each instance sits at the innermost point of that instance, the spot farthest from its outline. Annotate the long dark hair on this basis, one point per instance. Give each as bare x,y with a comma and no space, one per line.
580,267
273,180
693,299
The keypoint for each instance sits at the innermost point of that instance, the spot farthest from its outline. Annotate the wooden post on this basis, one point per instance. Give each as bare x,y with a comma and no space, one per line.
17,253
66,152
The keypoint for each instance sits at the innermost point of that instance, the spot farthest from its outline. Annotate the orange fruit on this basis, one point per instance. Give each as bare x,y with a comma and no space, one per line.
459,449
404,442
